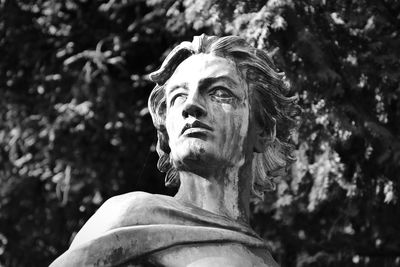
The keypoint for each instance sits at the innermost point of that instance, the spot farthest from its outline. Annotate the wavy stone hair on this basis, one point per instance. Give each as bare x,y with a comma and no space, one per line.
271,108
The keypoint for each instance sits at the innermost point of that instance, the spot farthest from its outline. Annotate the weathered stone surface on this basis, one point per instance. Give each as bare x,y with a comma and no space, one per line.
216,107
216,255
132,225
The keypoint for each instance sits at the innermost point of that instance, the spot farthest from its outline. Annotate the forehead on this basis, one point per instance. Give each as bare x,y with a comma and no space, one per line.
202,66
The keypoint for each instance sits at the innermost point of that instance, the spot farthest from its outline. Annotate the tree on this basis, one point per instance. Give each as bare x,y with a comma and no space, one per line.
74,122
339,206
75,129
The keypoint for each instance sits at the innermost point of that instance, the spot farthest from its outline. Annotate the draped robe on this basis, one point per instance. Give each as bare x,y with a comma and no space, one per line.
133,226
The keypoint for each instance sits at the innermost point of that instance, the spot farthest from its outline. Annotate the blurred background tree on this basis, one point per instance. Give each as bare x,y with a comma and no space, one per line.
75,129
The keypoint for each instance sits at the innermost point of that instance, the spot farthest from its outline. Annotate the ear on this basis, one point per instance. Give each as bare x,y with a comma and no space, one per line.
264,137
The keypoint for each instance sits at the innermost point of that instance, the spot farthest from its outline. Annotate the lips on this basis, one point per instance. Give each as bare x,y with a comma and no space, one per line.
195,125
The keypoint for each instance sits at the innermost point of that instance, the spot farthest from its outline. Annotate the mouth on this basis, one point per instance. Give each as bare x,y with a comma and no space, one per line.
195,128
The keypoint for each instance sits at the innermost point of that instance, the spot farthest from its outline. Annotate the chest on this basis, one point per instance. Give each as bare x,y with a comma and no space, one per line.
218,255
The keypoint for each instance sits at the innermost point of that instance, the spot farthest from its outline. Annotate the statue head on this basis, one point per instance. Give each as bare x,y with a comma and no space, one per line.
248,86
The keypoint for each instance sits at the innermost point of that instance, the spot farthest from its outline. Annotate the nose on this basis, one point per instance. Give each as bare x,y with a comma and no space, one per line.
193,107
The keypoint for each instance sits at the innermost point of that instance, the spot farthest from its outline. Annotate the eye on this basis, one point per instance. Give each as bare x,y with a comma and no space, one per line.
178,98
221,93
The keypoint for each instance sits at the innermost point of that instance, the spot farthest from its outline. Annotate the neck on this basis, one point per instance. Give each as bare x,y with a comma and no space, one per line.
224,192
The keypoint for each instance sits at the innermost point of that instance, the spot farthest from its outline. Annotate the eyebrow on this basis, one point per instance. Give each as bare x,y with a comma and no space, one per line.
205,83
177,86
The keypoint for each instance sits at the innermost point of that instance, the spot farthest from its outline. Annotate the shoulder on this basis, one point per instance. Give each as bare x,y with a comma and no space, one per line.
121,202
115,212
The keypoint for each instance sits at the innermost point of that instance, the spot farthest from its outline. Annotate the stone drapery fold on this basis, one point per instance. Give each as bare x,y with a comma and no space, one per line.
136,224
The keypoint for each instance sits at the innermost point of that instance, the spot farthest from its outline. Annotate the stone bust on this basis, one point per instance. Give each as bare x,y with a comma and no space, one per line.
223,125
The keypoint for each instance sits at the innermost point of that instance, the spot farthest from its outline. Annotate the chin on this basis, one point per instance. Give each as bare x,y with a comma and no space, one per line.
194,154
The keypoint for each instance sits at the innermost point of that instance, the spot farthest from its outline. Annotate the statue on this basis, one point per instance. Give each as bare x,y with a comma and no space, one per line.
223,124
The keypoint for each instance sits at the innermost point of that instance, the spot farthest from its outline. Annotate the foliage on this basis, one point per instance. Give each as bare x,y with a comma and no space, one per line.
75,130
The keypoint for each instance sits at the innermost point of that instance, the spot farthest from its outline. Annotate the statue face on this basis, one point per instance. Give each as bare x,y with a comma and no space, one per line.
207,116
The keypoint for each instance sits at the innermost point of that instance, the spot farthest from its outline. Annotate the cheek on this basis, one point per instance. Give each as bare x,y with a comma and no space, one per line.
172,124
239,123
232,122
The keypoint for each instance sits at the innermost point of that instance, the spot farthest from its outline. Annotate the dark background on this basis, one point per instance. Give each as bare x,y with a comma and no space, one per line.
75,129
